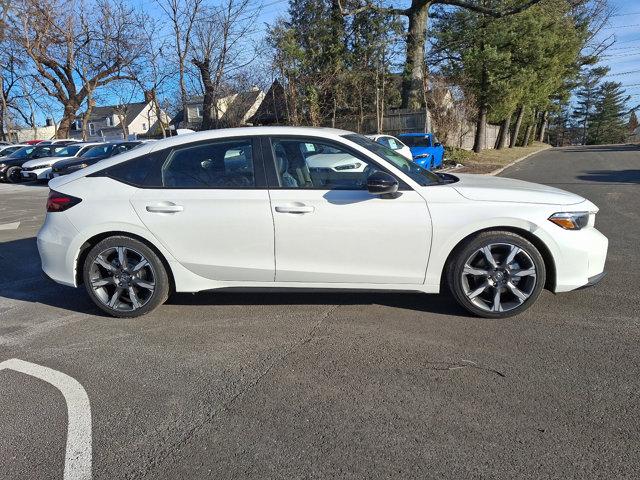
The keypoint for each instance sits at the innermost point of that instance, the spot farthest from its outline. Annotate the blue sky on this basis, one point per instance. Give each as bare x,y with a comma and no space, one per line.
624,55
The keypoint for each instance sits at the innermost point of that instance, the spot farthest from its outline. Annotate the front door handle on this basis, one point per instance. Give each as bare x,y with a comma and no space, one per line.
166,208
294,209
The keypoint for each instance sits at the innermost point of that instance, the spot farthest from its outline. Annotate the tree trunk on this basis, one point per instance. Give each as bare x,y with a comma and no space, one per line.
516,128
481,127
527,135
208,120
504,133
68,117
413,75
543,125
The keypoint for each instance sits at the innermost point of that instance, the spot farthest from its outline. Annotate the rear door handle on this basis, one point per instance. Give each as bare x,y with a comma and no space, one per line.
294,209
166,208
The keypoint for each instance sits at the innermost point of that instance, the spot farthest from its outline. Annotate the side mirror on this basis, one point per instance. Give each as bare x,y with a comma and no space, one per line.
381,183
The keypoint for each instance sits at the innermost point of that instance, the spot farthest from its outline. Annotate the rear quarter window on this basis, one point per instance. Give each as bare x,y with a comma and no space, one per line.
137,171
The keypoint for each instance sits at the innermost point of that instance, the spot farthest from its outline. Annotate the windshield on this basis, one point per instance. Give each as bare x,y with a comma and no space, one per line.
69,151
416,141
97,151
23,152
416,172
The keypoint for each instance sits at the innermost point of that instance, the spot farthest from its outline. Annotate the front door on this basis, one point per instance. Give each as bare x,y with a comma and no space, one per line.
212,212
330,229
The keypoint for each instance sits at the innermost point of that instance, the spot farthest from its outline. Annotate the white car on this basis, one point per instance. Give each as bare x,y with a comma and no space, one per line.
241,208
394,144
40,168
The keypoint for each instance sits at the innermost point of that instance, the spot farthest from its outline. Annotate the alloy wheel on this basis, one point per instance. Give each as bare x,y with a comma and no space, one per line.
499,277
122,278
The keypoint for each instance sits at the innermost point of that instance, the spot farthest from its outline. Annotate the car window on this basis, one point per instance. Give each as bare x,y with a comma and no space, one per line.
383,141
393,144
318,165
212,165
416,141
23,152
41,152
420,175
97,151
69,151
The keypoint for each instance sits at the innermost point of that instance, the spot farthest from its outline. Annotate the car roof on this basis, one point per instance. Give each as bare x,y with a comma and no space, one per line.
413,134
177,140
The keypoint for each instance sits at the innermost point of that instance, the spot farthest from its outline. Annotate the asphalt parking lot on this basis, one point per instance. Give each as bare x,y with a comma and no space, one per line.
276,385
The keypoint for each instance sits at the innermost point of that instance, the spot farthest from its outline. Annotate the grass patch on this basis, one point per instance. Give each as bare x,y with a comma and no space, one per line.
490,160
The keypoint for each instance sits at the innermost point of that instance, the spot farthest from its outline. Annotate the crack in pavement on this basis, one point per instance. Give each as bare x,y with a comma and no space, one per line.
169,450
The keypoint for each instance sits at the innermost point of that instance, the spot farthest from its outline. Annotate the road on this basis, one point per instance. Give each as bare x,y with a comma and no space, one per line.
275,385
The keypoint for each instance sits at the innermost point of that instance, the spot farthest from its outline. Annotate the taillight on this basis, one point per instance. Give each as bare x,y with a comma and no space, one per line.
59,202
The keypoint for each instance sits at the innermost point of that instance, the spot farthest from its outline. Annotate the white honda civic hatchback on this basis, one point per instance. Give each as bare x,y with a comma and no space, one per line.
253,208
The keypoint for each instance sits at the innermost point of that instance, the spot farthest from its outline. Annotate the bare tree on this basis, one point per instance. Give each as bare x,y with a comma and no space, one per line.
183,15
76,47
220,49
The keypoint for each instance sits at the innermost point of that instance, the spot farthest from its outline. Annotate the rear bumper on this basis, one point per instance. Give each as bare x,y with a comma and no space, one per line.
54,240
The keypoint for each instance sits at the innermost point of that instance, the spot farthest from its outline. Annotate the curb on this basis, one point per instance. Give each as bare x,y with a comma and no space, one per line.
501,169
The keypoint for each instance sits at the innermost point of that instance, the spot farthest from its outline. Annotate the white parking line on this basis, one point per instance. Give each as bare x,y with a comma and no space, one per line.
77,462
9,226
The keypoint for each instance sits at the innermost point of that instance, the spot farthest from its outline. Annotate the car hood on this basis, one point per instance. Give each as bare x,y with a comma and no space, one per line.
499,189
43,161
328,160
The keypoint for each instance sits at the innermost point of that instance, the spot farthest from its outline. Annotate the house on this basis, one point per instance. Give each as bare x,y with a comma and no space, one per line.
273,109
120,122
233,110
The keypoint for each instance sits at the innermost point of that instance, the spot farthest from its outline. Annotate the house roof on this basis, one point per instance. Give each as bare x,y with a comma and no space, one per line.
273,108
131,110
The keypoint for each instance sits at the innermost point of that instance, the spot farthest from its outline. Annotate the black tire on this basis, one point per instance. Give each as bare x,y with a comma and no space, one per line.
155,273
13,175
502,281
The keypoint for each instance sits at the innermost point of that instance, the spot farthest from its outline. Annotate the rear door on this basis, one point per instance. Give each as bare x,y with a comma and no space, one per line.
211,210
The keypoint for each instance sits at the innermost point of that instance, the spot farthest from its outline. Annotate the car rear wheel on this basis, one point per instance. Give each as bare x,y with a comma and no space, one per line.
496,274
125,278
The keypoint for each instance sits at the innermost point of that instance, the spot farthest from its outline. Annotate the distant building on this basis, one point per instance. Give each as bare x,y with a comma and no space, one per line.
120,122
46,132
233,110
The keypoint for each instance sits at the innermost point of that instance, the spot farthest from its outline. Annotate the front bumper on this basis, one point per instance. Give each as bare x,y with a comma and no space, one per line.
33,175
581,258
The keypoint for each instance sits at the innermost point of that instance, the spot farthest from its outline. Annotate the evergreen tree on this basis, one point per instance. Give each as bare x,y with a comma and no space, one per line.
586,98
606,124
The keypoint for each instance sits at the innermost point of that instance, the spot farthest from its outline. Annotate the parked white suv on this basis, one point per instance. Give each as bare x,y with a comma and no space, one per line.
243,208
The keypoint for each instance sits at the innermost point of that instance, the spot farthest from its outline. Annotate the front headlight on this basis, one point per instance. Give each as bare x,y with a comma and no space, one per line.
78,167
2,165
570,220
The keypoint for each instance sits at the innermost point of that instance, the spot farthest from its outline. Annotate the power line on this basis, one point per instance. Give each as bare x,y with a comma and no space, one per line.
623,73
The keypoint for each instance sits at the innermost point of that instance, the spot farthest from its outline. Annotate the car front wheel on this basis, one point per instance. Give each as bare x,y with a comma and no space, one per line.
496,274
124,277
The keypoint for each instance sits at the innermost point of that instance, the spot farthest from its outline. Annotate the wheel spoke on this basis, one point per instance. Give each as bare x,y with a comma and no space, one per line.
122,256
141,264
478,290
135,301
101,282
486,251
144,284
100,260
517,292
512,254
528,272
115,297
497,306
469,270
